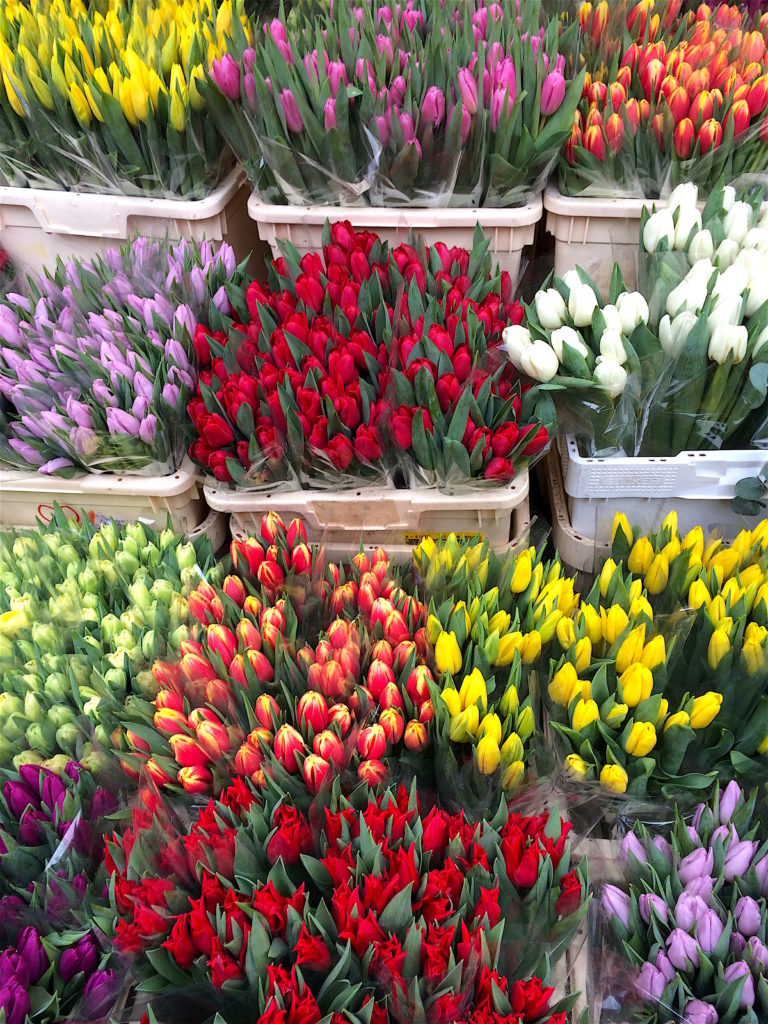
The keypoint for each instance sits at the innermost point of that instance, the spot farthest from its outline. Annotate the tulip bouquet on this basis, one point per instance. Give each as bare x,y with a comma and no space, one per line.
600,359
83,613
373,903
712,319
690,920
97,361
685,102
107,99
424,104
349,365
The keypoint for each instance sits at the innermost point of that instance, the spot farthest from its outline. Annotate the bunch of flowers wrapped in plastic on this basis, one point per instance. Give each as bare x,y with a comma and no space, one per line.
690,920
361,360
425,104
107,98
97,362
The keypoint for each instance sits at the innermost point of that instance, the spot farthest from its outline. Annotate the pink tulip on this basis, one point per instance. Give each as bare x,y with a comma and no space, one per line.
330,113
293,119
552,93
468,90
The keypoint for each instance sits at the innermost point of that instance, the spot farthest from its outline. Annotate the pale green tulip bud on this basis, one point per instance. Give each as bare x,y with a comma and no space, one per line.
45,635
91,602
32,682
67,737
117,658
40,738
124,638
130,547
150,555
106,570
132,619
101,737
148,649
6,750
60,714
146,684
10,704
139,594
179,611
57,764
163,591
136,533
81,667
88,581
32,710
14,728
68,556
6,648
167,537
91,707
26,757
186,556
95,762
126,563
110,627
189,579
57,687
176,636
116,679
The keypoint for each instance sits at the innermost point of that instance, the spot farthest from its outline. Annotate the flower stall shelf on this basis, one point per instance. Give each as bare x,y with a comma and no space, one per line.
40,225
99,497
386,516
509,230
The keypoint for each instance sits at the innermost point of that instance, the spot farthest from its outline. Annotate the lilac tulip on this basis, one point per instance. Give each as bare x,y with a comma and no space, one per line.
185,318
748,916
293,120
651,983
227,256
80,413
148,429
722,834
171,394
616,903
9,327
738,857
121,422
697,1012
729,800
761,870
82,958
27,451
140,407
758,955
99,993
741,970
142,385
433,107
696,864
662,845
631,846
737,944
14,1002
701,887
648,904
226,74
688,910
708,931
329,114
663,964
552,93
31,949
221,302
682,950
468,90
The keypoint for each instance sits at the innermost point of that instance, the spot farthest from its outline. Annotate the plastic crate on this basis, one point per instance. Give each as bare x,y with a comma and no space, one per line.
385,515
509,230
579,553
596,233
38,225
699,486
27,497
215,527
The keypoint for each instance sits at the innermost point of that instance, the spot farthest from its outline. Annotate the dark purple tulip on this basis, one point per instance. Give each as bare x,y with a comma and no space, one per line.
72,769
30,828
741,970
13,968
31,949
3,847
54,792
682,950
103,803
18,796
80,958
99,993
14,1002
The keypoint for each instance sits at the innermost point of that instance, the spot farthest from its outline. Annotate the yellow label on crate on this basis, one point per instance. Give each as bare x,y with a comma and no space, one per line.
415,538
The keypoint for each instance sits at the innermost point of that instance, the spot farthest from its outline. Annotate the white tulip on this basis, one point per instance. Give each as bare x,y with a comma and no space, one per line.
688,221
726,253
550,308
673,334
690,294
581,305
633,309
517,338
659,227
612,347
737,221
567,336
732,281
611,376
727,310
612,318
760,341
572,280
685,195
757,269
726,339
539,361
757,238
702,247
729,197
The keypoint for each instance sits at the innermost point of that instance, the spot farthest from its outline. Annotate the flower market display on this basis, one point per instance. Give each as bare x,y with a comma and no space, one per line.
358,740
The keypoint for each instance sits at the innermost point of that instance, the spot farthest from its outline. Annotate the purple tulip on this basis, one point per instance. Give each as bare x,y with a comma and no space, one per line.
741,970
708,931
121,422
72,769
616,903
729,800
651,983
185,319
650,903
148,429
291,113
54,791
31,949
688,910
27,451
552,93
103,393
737,944
701,887
663,965
722,834
30,831
631,845
14,1002
19,796
433,107
81,958
103,803
140,408
99,993
227,256
142,386
468,90
697,1012
696,864
220,301
738,857
226,74
748,916
171,394
681,950
9,327
329,113
758,955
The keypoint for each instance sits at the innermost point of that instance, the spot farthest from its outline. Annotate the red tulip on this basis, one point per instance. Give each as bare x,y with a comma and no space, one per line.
659,130
248,635
360,701
651,78
217,693
338,634
261,665
167,699
710,135
335,683
301,560
200,608
237,670
379,676
267,711
417,686
214,739
328,746
739,112
272,527
222,641
382,651
234,588
253,607
158,775
758,95
137,743
270,575
288,743
198,715
170,722
396,628
415,736
594,141
248,759
391,721
317,773
296,533
698,82
195,779
402,653
373,772
684,138
701,108
312,712
340,716
195,667
391,697
188,752
372,742
594,118
614,133
426,712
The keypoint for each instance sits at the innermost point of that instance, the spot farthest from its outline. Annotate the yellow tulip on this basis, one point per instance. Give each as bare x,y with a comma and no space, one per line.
490,726
755,632
631,649
698,595
635,590
14,90
547,628
531,647
606,575
671,550
508,644
616,715
512,749
641,739
742,545
510,701
564,684
640,557
719,646
42,91
464,725
521,575
585,712
670,523
525,723
92,102
731,591
663,710
654,653
726,561
621,524
488,755
426,550
126,102
512,776
754,656
657,577
576,766
473,689
589,619
79,105
640,607
447,654
711,550
679,718
434,628
694,542
614,778
500,621
452,700
566,633
705,709
636,684
614,622
763,747
583,654
750,576
717,610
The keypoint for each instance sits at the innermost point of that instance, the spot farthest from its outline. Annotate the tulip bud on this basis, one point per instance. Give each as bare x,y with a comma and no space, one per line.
415,736
267,711
317,773
328,746
288,743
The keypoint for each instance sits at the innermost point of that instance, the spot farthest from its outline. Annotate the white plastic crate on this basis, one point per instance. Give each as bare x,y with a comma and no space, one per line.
385,515
509,230
38,225
27,497
699,486
578,552
596,233
215,527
